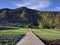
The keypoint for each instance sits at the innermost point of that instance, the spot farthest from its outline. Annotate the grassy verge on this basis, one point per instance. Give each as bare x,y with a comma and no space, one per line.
47,34
12,36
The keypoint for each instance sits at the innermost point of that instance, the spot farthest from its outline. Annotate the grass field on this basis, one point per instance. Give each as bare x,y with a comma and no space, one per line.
47,34
11,36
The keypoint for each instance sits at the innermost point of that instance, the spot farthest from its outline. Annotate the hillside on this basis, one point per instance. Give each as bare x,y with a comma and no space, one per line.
30,18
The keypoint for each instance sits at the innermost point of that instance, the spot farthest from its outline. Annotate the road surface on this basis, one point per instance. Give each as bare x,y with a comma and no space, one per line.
30,39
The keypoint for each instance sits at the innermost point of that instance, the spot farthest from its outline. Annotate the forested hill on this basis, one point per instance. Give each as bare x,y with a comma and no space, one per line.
29,18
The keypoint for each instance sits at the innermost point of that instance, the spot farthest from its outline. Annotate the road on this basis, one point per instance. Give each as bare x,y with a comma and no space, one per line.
30,39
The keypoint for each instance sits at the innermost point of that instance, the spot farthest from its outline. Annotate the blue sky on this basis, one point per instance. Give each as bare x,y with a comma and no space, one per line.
43,5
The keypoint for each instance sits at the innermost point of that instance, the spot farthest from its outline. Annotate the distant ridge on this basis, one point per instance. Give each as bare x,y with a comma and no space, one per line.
26,17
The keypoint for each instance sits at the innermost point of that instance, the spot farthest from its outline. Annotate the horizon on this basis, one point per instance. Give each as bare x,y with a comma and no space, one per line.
41,5
31,9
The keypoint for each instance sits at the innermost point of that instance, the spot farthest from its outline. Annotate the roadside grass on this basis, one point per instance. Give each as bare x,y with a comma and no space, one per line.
12,36
47,34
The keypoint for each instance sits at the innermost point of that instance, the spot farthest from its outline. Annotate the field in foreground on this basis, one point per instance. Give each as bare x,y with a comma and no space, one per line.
11,36
48,35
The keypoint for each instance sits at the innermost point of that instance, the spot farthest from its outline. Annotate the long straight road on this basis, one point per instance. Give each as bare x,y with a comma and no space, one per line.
30,39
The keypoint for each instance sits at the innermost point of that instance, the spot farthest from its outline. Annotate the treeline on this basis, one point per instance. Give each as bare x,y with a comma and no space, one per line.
50,20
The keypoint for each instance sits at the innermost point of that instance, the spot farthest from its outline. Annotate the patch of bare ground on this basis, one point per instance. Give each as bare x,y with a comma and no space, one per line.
54,42
51,42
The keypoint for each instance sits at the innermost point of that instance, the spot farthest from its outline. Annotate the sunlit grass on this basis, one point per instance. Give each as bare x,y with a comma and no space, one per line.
10,37
47,34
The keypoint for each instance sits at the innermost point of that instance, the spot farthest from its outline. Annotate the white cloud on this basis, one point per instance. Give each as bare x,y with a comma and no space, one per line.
34,4
41,4
20,5
57,8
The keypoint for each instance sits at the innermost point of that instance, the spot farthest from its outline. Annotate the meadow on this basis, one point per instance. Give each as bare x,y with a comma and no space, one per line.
11,36
48,36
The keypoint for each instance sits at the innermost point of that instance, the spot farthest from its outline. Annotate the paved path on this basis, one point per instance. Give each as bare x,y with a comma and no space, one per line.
30,39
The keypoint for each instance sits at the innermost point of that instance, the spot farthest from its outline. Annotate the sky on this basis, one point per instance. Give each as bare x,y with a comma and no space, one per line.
42,5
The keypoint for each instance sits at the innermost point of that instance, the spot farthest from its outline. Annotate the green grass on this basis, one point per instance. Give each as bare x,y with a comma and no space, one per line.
11,36
47,34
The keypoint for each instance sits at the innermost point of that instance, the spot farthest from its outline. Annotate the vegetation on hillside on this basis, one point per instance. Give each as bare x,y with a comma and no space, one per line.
30,18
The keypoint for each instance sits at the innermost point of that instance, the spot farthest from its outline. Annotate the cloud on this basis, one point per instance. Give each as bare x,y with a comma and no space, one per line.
34,4
57,8
41,4
20,5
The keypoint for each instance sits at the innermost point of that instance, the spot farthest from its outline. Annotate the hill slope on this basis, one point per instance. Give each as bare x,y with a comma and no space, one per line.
30,18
